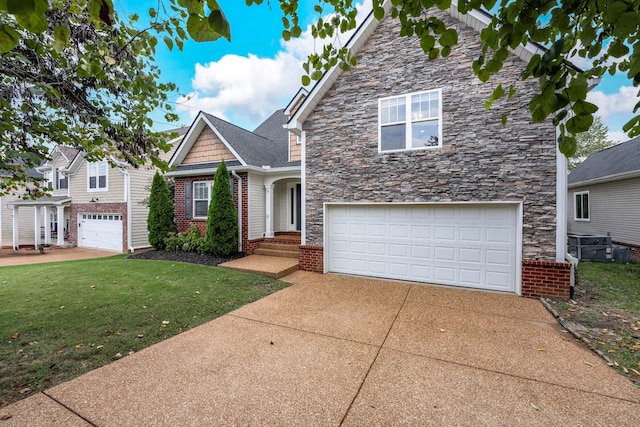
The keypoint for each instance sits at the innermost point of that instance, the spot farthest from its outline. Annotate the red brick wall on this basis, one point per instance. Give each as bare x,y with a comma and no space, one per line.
312,258
117,208
183,224
251,246
546,279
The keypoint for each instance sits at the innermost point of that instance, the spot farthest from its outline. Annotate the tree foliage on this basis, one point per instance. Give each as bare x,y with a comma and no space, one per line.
222,219
160,221
73,72
602,33
595,139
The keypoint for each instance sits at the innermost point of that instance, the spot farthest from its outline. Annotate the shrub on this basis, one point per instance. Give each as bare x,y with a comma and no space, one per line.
160,219
191,241
222,219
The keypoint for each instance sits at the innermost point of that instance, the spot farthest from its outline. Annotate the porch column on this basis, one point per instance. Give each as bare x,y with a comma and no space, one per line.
269,212
61,222
37,225
47,225
16,229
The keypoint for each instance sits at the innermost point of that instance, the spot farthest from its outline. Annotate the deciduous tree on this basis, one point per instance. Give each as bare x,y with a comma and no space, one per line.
595,139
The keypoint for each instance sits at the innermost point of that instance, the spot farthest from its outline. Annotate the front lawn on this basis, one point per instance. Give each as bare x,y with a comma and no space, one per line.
606,310
60,320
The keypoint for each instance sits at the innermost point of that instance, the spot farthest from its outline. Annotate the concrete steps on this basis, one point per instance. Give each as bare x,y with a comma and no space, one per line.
270,266
278,250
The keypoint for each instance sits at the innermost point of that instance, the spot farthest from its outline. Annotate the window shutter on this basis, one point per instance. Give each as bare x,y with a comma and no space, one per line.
187,199
55,179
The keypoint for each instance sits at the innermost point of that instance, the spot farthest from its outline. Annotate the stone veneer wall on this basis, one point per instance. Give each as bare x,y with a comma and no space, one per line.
480,160
116,208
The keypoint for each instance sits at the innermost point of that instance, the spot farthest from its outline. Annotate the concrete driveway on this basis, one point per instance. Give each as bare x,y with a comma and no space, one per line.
335,350
31,256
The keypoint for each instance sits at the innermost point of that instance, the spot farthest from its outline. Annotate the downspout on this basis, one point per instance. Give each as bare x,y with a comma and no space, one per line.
562,252
127,199
237,177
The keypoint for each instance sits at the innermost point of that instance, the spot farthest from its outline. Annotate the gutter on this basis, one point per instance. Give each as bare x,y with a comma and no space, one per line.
236,176
574,269
232,169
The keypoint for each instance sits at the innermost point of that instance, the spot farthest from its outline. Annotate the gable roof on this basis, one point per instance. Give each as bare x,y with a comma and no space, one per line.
266,146
273,127
476,19
69,153
617,162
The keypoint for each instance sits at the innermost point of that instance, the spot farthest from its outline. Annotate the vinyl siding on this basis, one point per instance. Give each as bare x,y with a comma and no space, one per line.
280,206
613,208
26,223
256,206
141,180
115,187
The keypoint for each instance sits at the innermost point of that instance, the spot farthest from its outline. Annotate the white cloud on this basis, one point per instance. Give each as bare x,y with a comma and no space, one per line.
247,89
618,136
621,102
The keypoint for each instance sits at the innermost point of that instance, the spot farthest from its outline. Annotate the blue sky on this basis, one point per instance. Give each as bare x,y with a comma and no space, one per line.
246,80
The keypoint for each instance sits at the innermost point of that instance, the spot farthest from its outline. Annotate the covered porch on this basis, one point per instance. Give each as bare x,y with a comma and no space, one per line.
50,220
284,205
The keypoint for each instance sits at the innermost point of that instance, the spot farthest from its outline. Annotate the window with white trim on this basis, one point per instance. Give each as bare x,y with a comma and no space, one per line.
97,176
201,198
410,122
63,181
48,179
581,205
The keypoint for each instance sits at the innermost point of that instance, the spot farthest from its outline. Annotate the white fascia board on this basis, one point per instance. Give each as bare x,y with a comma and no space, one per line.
301,92
212,171
605,179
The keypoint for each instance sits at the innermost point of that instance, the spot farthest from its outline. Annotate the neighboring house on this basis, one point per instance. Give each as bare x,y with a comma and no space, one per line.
92,204
604,196
407,176
264,167
27,237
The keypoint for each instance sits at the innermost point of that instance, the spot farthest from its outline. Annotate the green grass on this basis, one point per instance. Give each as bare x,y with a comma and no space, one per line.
60,320
607,311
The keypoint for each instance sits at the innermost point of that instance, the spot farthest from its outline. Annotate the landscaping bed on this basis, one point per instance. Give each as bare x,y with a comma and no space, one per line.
605,311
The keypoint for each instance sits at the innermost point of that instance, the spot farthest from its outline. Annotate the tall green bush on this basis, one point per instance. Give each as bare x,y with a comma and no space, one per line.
161,212
222,219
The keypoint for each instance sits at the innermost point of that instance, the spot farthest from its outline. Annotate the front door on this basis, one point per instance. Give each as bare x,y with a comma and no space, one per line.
294,203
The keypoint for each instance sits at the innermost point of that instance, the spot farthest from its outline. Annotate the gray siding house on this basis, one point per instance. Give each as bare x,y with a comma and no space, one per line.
604,196
407,176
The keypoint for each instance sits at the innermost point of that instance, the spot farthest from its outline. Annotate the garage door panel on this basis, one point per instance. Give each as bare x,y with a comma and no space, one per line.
470,245
100,231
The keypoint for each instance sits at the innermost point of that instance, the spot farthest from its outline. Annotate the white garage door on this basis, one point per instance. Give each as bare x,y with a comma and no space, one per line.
100,231
460,245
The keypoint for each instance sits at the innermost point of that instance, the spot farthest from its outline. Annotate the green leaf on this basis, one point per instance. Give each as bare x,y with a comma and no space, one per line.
498,92
169,42
21,7
504,120
152,13
199,29
577,88
449,38
378,13
9,38
579,124
617,49
306,81
33,22
62,34
567,145
219,24
581,107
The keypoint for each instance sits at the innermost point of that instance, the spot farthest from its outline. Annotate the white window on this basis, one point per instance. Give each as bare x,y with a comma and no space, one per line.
201,198
63,181
97,176
48,180
581,204
410,122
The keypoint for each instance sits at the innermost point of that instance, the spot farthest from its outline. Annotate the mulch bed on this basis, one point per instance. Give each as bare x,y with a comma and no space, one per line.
190,257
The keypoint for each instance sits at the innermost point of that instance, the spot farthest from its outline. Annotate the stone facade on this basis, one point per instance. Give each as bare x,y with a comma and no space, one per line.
480,159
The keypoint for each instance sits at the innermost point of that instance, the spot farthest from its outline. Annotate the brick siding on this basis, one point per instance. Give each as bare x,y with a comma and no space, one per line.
312,258
116,208
546,279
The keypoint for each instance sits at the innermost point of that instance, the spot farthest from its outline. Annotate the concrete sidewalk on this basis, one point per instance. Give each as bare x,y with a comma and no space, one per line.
335,350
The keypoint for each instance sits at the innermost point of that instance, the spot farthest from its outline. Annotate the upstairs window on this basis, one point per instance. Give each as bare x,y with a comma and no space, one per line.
63,181
201,198
581,202
97,176
410,122
48,180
